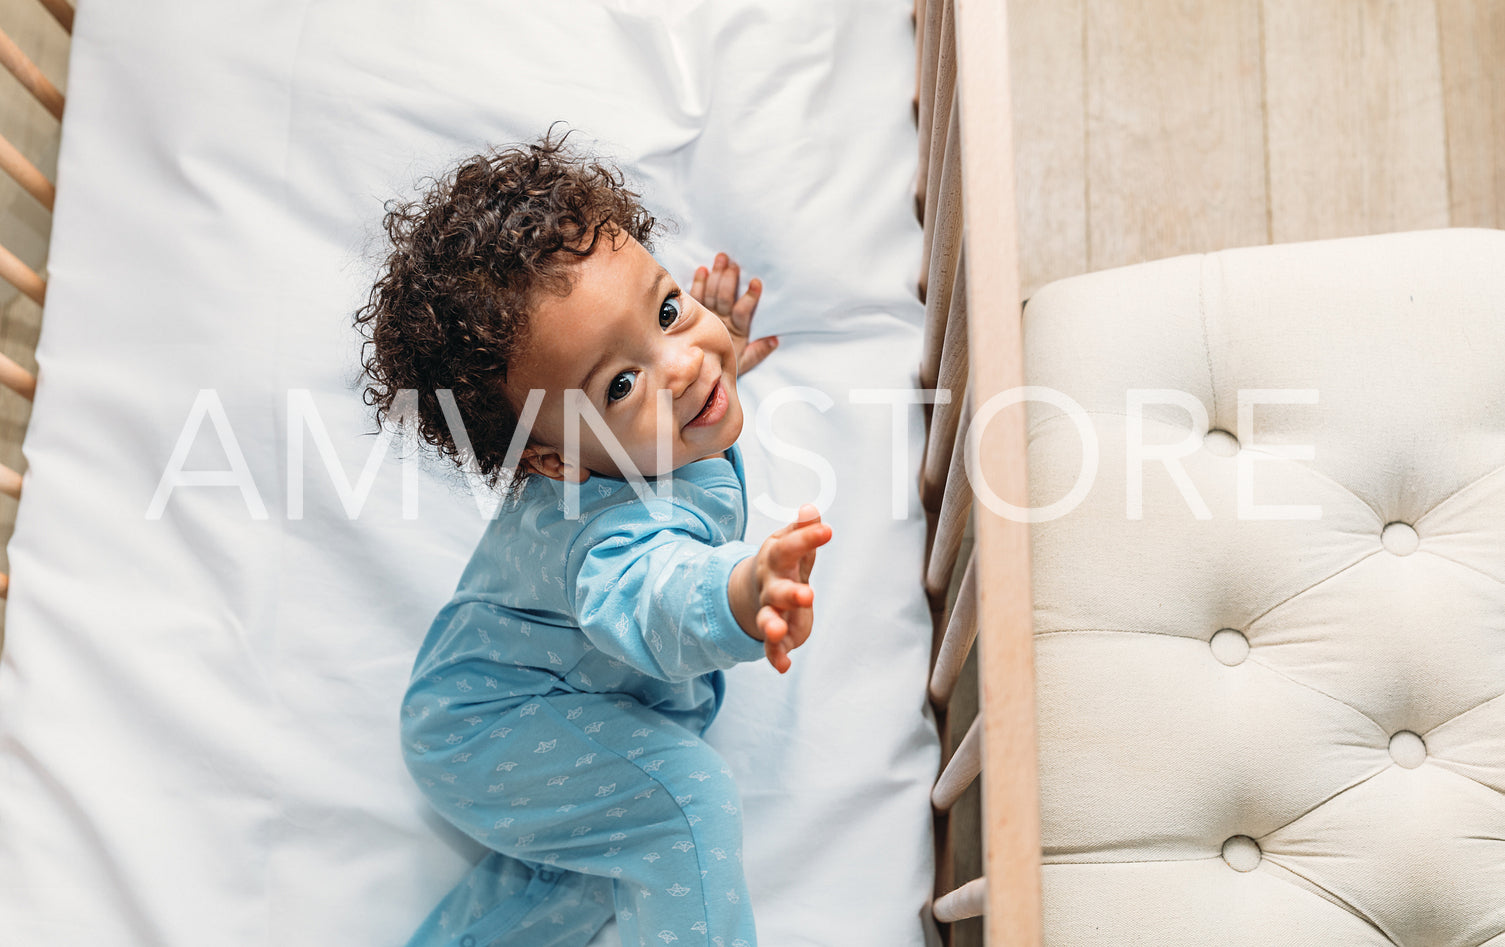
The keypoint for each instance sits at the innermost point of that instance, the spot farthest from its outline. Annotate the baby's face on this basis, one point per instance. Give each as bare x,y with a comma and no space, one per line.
624,334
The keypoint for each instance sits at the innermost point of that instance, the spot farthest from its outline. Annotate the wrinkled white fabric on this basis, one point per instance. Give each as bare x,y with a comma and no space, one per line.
198,711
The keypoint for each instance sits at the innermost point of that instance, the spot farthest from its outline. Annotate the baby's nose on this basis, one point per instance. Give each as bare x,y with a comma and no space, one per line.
682,367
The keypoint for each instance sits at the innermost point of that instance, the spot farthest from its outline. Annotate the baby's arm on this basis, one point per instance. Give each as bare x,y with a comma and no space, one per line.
649,588
716,289
770,592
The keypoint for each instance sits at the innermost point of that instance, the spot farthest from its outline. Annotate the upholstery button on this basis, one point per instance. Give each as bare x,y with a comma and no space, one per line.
1408,749
1241,853
1230,646
1220,442
544,874
1400,538
467,941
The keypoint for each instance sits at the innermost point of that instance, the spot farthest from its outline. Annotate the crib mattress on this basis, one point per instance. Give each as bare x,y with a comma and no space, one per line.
220,575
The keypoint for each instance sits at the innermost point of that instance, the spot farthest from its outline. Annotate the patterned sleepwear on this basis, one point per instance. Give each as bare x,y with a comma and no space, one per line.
555,715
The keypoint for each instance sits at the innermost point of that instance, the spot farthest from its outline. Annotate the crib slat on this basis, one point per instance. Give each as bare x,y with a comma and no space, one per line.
956,642
938,320
945,101
16,378
4,585
965,764
951,523
10,482
917,19
929,51
61,12
30,76
966,901
952,377
941,88
22,277
26,174
942,231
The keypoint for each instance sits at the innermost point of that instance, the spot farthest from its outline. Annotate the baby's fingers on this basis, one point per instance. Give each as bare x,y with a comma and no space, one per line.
714,293
787,594
726,289
775,633
746,305
756,351
802,540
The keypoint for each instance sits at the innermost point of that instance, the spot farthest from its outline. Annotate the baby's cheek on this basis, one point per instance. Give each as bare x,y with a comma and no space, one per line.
641,445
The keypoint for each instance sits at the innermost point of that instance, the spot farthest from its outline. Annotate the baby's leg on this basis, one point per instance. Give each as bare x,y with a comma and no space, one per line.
596,785
505,902
664,822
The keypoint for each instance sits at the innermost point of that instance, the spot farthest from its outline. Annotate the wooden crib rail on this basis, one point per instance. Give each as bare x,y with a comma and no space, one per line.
61,11
26,71
969,280
25,173
22,277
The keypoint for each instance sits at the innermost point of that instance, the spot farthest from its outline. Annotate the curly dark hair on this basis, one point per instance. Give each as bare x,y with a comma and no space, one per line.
450,308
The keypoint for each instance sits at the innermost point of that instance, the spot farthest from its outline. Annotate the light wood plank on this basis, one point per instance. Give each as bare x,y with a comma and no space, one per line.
1011,800
1050,164
1354,108
1175,148
1473,95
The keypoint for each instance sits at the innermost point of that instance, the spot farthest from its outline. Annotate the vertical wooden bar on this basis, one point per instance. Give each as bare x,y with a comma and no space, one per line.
1011,793
941,244
16,378
30,76
930,50
1472,35
943,95
22,277
13,163
1175,144
1354,107
61,12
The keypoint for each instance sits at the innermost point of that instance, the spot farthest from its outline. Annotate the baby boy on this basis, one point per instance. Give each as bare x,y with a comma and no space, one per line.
556,707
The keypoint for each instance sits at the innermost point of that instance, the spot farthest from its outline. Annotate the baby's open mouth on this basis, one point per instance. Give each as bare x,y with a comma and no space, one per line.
713,409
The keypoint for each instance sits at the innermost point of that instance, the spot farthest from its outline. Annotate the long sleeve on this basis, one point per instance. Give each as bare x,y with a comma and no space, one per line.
650,589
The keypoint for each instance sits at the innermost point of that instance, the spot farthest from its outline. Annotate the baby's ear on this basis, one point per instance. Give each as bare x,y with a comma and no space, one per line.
547,462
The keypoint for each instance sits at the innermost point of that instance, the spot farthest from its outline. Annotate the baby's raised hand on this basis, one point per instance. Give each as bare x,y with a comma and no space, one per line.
716,289
782,571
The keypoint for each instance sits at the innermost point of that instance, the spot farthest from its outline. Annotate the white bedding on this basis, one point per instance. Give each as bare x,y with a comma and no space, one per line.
198,711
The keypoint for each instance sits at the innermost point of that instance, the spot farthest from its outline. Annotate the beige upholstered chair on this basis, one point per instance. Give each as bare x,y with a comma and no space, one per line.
1272,693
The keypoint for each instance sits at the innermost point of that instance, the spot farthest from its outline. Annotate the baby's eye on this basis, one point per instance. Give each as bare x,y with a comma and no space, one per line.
669,311
620,387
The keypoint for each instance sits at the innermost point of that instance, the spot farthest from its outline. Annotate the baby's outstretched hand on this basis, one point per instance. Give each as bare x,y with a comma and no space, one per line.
716,289
782,569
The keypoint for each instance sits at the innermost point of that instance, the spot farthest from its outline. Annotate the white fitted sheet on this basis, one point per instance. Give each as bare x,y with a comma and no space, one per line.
198,711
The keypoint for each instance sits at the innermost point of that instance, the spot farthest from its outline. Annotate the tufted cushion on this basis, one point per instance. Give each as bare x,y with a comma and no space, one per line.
1272,709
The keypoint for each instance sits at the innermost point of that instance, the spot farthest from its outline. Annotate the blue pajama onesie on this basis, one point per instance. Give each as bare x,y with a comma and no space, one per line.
555,715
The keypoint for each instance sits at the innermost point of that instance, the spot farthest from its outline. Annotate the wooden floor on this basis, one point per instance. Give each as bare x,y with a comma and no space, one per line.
1150,128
